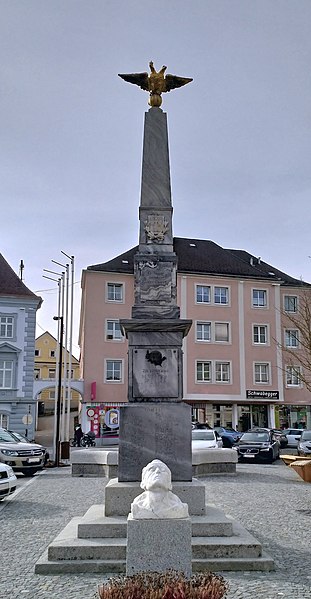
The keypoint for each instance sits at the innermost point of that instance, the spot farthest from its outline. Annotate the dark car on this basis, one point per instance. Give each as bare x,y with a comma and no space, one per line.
258,444
229,435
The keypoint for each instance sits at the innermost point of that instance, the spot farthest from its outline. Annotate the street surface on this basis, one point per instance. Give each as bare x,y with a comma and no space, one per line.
271,501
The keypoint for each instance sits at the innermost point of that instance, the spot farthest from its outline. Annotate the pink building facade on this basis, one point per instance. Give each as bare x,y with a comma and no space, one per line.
236,368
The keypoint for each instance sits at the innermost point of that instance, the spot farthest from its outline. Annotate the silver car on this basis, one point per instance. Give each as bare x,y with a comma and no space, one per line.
304,443
293,435
27,458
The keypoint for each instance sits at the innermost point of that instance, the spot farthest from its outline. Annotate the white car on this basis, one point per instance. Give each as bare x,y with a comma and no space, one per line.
8,481
293,436
205,439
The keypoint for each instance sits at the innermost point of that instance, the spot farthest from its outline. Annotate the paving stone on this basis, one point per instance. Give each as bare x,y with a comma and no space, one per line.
272,502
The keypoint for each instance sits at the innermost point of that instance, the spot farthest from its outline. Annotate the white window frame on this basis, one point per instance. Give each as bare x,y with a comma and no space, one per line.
4,420
37,373
223,363
118,284
203,324
6,372
288,336
52,394
114,360
52,378
266,327
227,294
206,381
113,321
261,382
293,371
37,353
52,351
209,287
256,306
290,296
212,325
5,325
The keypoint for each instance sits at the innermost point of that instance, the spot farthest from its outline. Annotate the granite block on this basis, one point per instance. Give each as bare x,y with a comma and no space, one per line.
155,431
158,545
120,495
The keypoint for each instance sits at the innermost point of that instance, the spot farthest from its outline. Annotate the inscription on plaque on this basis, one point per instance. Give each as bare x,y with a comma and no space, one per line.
155,373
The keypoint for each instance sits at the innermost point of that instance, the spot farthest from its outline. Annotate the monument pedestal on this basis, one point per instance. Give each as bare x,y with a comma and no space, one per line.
159,545
152,430
120,495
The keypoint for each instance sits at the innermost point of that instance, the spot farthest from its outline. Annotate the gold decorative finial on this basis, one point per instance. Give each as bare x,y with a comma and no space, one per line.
156,83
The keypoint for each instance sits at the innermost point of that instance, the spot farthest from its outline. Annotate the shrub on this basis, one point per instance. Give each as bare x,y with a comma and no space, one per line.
167,585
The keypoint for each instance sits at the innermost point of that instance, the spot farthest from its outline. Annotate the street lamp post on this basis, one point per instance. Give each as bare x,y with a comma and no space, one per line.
59,388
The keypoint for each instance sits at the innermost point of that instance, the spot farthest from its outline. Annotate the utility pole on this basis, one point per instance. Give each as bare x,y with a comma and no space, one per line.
59,389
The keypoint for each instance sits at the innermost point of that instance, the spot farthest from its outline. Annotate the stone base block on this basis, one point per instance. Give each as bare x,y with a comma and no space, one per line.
155,431
119,496
94,462
158,545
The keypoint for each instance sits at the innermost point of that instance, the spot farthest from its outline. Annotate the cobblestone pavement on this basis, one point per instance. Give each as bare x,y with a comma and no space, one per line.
272,502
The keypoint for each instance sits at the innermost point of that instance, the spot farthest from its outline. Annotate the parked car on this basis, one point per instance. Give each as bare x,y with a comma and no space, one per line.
8,481
22,439
258,444
229,435
304,443
293,435
205,439
27,458
278,434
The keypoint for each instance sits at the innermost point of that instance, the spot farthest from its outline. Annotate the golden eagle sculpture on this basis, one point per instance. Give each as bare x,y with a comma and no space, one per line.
156,83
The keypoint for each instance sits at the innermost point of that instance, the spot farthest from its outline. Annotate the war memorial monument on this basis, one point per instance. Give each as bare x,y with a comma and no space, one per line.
172,524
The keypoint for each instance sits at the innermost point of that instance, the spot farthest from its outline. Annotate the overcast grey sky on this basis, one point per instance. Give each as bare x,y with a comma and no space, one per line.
71,130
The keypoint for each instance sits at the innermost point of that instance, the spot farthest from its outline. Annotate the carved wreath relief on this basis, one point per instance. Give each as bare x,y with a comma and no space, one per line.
156,226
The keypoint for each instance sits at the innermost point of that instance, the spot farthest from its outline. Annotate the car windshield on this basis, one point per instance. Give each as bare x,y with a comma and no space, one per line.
18,437
201,435
6,437
256,437
306,436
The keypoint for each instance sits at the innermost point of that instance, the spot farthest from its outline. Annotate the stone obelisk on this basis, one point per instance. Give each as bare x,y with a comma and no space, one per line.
155,423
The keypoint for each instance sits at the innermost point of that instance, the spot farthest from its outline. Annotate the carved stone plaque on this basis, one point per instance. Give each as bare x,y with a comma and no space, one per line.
155,373
156,283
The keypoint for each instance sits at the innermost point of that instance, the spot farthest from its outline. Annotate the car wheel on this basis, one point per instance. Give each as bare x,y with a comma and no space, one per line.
28,472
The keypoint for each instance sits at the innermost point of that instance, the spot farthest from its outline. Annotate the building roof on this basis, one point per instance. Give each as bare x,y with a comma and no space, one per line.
11,285
204,257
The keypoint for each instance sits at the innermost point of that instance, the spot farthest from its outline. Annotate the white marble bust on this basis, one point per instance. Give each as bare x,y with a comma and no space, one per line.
157,501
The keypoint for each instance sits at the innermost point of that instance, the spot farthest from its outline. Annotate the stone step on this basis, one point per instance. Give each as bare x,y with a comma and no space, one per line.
88,549
67,546
46,566
240,545
111,567
95,525
263,563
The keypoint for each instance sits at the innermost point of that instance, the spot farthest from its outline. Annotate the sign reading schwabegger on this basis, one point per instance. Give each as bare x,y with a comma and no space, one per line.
254,393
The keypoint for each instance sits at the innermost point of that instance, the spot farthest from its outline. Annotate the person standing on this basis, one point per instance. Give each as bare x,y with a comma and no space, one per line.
78,435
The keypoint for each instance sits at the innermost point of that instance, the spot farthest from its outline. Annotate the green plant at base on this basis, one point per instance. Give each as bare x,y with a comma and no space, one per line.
167,585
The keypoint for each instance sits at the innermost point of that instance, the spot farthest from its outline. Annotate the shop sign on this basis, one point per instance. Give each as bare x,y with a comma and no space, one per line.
255,393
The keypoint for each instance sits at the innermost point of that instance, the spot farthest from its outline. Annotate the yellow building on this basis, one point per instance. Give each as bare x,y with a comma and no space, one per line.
45,369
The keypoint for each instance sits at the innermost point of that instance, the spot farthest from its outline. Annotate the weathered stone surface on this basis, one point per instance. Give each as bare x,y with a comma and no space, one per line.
120,495
155,430
156,380
158,545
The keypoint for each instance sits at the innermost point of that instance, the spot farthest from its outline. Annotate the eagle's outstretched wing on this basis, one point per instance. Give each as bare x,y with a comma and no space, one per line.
140,79
172,81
